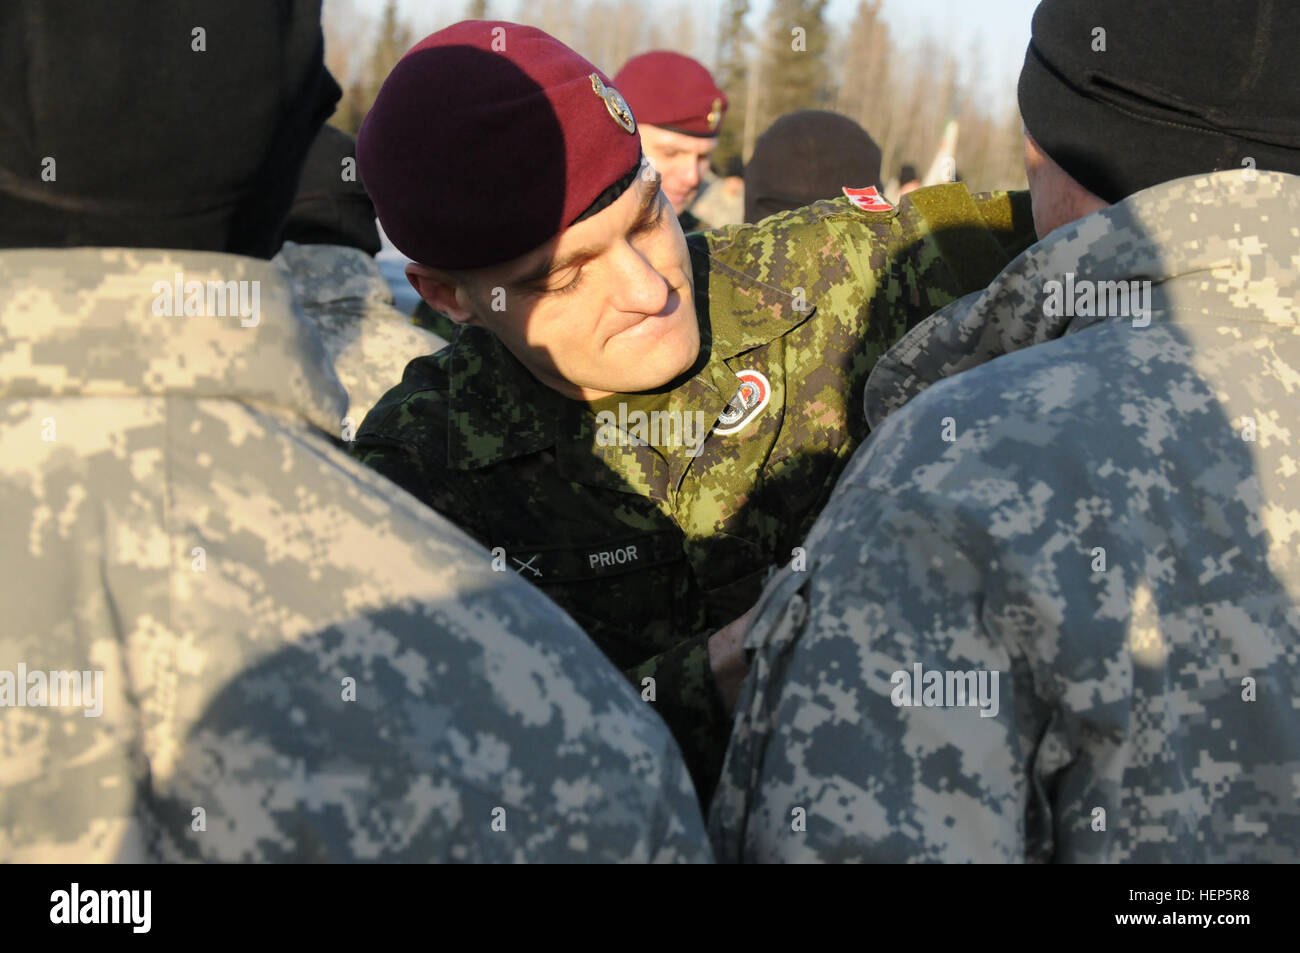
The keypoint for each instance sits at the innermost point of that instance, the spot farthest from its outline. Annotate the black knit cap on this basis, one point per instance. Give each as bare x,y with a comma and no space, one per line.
330,209
805,156
160,136
1182,87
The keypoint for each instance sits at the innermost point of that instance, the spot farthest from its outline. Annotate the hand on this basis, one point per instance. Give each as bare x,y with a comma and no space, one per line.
727,659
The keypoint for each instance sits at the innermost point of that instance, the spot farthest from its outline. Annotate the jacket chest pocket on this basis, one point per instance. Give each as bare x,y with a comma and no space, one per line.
633,593
571,563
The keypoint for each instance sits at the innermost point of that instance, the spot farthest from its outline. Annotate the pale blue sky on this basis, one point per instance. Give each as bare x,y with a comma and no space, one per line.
989,36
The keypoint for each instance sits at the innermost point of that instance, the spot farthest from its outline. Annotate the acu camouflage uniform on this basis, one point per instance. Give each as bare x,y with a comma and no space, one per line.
1158,686
810,299
177,517
343,292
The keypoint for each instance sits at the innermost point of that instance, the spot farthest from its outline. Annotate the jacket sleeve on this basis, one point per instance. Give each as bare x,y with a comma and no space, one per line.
833,759
687,699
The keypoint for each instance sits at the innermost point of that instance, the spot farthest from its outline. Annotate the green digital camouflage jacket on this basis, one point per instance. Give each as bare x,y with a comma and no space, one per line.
227,640
650,550
1050,612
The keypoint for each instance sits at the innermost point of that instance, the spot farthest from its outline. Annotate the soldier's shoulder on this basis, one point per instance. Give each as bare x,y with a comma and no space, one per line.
322,274
863,218
963,220
386,337
989,407
806,223
416,408
802,247
1007,207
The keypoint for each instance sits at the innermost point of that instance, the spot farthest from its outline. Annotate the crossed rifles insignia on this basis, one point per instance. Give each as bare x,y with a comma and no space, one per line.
615,103
527,565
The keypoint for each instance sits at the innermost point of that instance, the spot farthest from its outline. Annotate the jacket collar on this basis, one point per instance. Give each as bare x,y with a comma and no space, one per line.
496,409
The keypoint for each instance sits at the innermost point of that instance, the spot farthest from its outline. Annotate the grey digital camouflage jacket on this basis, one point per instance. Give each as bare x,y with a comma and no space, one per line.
369,341
226,640
1051,612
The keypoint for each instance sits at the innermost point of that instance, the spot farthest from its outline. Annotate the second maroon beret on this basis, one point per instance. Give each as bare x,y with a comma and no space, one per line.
674,91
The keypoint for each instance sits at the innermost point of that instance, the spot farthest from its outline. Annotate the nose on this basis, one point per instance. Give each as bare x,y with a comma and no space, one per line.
641,288
691,173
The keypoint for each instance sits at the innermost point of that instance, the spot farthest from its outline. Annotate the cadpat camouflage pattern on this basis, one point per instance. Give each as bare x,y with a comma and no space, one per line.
652,548
1106,522
296,661
343,292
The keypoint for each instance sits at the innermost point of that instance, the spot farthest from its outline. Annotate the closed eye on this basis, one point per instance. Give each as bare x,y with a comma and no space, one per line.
569,288
653,219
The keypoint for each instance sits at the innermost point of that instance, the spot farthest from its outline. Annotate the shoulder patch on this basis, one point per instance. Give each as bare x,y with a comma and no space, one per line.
868,199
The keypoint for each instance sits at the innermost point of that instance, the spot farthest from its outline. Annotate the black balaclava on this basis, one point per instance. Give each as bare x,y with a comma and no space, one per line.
170,125
805,156
329,208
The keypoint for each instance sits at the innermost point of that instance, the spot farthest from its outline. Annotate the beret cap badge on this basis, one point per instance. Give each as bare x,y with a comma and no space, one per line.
615,104
715,114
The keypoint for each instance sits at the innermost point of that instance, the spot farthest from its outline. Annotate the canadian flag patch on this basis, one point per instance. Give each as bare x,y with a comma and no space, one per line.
868,199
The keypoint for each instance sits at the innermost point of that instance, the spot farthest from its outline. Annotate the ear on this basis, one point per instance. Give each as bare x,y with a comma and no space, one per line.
442,291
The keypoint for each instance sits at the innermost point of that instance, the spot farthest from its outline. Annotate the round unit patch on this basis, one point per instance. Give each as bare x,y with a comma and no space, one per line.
748,402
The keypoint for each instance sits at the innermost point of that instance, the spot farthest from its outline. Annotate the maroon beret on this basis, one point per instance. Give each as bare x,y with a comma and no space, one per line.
674,91
487,140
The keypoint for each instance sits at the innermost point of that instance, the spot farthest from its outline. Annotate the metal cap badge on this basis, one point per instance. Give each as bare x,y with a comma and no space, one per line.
714,117
615,103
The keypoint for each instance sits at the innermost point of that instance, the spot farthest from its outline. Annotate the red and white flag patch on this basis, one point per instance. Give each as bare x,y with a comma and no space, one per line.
868,199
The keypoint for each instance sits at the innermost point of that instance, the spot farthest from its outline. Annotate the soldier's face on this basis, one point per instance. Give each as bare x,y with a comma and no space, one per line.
680,159
606,307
